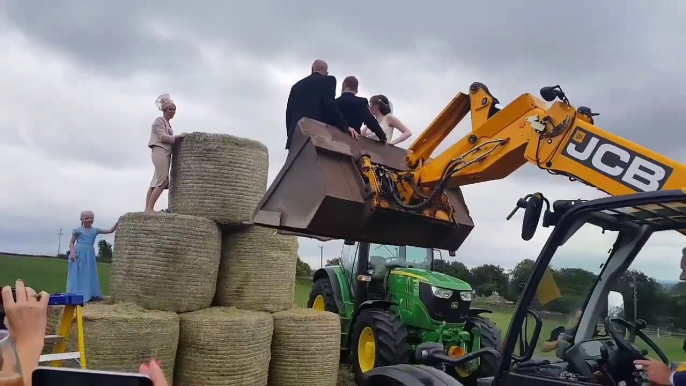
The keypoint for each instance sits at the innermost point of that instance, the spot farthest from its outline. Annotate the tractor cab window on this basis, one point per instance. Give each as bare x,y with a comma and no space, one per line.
651,290
348,257
381,255
562,292
416,257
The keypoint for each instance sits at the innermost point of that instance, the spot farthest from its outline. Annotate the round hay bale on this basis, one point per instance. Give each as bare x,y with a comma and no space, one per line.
164,261
305,348
218,176
224,346
257,269
120,337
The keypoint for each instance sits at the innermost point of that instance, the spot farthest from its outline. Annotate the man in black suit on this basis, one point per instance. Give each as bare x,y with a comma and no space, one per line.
315,97
355,109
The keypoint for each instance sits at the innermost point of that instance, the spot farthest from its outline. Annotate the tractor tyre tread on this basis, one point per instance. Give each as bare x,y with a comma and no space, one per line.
323,287
491,336
390,335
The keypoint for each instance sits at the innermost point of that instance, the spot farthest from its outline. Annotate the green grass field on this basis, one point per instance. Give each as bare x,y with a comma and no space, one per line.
50,275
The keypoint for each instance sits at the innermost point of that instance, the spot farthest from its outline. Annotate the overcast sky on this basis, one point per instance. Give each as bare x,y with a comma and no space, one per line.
78,81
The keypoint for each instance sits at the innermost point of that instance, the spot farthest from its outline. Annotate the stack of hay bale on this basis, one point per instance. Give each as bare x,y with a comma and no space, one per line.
220,290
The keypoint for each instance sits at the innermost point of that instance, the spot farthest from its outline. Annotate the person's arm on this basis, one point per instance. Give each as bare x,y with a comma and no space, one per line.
161,131
108,231
331,106
548,346
74,236
372,124
404,130
364,131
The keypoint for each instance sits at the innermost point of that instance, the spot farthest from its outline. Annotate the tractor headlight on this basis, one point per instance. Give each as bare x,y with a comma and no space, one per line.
466,296
441,292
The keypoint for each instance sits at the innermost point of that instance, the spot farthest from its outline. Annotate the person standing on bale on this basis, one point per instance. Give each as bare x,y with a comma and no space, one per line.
161,140
82,272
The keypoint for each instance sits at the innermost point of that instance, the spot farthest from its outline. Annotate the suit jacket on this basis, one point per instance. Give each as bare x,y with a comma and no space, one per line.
355,111
313,97
161,134
679,378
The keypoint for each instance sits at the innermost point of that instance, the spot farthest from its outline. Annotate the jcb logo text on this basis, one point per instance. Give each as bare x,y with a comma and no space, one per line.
616,162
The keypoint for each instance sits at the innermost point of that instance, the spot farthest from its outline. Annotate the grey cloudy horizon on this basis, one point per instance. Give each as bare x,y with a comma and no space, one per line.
79,80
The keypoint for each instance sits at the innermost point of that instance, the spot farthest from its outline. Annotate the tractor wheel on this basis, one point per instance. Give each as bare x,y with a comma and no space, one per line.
379,339
321,297
491,336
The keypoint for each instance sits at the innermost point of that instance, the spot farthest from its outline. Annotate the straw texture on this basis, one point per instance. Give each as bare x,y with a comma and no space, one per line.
305,348
54,316
218,176
224,346
257,270
165,261
120,337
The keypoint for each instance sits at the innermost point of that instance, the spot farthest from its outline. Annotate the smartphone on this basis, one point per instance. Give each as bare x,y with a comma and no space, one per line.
60,376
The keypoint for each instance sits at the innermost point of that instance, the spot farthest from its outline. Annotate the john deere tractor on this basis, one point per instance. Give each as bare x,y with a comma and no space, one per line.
390,300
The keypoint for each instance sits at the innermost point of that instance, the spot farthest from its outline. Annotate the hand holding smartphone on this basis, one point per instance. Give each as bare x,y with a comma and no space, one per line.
59,376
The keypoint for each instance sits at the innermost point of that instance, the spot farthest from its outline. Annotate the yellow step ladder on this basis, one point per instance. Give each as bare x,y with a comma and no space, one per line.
72,310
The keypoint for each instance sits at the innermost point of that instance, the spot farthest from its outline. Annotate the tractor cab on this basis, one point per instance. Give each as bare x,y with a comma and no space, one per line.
604,291
382,260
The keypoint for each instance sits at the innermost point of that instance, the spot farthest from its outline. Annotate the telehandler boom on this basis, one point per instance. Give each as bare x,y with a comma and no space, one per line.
334,187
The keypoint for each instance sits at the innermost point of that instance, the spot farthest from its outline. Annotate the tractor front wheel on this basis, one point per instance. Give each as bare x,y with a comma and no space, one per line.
491,336
321,297
380,339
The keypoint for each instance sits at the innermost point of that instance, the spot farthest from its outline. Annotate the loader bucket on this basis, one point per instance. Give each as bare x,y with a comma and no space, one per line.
319,193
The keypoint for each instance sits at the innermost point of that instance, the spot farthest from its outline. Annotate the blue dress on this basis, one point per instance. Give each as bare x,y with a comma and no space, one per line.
82,274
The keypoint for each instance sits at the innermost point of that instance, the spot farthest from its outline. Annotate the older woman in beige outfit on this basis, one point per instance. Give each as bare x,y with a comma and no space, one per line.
161,140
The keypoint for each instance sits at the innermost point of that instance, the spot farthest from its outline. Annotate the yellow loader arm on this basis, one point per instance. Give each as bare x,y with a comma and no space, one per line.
560,139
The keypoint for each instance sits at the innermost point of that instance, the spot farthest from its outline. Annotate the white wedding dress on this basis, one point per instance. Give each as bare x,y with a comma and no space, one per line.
384,126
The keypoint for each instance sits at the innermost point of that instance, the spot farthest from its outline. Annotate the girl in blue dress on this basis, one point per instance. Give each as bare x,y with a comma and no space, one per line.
82,274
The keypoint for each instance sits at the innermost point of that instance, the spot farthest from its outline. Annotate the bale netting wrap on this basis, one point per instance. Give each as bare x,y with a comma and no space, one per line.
257,270
218,176
122,336
305,348
224,346
165,261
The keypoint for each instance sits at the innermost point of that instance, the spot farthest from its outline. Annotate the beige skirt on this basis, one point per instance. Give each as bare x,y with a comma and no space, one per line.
161,158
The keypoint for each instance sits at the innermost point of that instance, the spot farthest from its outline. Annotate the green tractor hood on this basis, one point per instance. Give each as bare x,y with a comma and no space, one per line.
434,278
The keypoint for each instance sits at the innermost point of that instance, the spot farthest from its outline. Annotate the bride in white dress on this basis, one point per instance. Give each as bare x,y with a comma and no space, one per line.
382,109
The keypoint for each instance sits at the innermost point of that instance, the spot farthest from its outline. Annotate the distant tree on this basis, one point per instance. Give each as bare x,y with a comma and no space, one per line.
302,269
334,261
652,300
518,277
104,251
487,278
455,269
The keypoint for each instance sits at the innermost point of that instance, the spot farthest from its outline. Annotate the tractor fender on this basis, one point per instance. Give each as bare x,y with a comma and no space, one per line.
409,375
478,311
329,273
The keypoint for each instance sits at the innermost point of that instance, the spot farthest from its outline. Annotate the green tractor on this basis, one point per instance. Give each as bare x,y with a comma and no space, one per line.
390,300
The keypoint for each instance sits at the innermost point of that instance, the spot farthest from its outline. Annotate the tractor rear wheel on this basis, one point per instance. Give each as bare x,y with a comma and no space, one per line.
321,297
491,336
380,339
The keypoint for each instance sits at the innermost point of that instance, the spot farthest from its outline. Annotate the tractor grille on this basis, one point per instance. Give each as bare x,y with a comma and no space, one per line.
443,309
